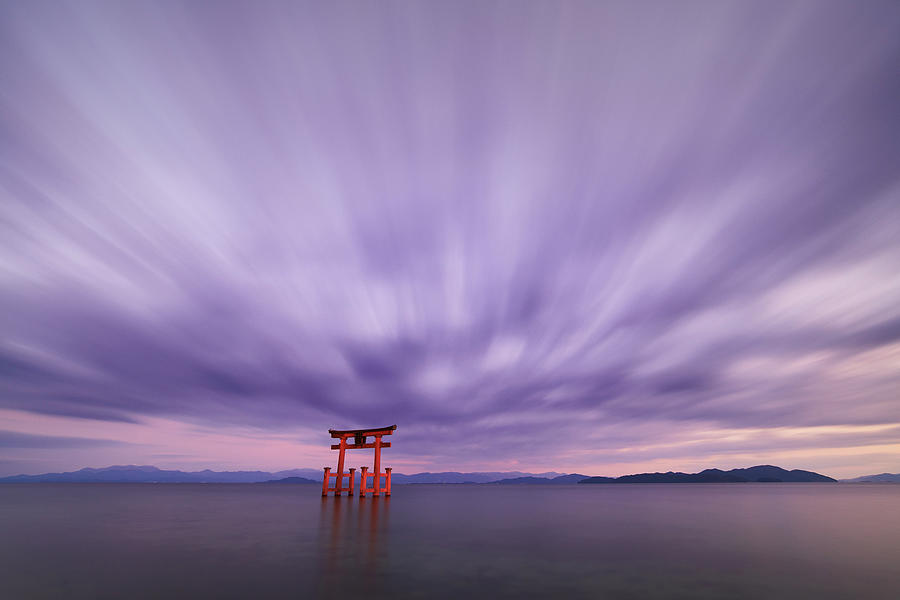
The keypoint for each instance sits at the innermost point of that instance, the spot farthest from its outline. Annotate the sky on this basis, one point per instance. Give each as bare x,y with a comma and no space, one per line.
594,237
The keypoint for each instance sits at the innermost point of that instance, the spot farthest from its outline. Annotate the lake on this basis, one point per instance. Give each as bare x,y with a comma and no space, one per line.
451,541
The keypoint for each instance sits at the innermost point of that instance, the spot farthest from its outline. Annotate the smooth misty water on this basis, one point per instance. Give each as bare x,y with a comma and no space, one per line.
451,541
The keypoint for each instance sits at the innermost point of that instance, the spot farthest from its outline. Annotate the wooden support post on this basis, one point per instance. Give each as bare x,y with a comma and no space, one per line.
377,491
352,477
387,489
339,485
362,482
325,482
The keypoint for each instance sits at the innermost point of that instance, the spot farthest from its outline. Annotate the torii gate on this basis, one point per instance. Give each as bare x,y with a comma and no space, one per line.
359,442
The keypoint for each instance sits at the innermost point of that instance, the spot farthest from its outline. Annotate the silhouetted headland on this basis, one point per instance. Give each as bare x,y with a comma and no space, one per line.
880,478
758,474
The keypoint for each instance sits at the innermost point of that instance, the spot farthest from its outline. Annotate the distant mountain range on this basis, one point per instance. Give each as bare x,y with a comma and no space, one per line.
455,477
149,474
531,480
761,473
880,478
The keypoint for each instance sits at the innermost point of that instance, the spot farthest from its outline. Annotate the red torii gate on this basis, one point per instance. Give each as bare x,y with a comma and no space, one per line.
359,442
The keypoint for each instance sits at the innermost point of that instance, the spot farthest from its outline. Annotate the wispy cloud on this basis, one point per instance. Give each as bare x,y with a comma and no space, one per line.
14,439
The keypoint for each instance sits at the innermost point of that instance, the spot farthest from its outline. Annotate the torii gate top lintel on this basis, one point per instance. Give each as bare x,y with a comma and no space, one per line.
339,433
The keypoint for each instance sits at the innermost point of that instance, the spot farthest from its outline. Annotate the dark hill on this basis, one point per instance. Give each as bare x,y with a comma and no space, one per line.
880,478
758,474
291,480
571,478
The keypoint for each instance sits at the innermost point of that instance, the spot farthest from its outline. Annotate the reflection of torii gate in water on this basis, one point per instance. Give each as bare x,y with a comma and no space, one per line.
359,442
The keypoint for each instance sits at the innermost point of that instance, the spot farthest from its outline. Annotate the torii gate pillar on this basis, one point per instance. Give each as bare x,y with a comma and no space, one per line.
359,441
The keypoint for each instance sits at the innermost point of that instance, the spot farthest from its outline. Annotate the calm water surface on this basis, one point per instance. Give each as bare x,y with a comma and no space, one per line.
451,541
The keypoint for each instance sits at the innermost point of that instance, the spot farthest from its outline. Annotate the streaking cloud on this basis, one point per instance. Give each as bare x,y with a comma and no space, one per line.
640,234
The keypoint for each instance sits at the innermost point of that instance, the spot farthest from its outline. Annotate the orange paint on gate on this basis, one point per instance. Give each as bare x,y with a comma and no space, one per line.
359,442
